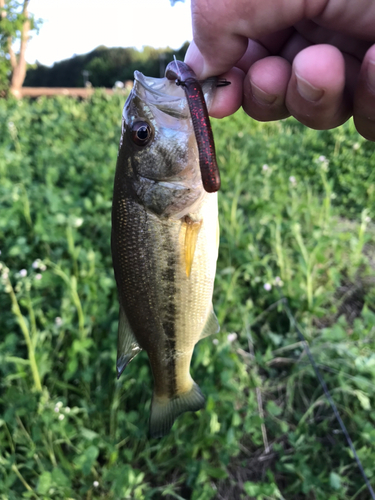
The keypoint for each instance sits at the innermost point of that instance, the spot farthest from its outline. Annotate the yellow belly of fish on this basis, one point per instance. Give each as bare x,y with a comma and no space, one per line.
194,289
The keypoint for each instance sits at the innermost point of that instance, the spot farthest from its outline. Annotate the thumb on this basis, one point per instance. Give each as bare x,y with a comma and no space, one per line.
221,28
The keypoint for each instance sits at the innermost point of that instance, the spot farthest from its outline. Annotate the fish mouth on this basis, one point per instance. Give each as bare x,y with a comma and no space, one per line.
166,95
157,90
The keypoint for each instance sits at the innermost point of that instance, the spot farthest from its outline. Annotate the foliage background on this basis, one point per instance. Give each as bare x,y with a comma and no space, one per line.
105,67
295,211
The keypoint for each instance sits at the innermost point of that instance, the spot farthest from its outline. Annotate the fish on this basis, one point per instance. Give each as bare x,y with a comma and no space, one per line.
164,240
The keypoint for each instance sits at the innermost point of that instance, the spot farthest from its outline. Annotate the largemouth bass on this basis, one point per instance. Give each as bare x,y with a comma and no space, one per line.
165,237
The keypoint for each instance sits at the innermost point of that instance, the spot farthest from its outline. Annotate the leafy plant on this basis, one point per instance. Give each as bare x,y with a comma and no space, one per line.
295,214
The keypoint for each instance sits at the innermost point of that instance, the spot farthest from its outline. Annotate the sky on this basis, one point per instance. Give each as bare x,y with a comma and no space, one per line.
78,26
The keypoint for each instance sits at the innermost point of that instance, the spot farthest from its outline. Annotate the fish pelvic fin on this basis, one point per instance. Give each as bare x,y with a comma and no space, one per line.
127,345
164,411
212,325
191,237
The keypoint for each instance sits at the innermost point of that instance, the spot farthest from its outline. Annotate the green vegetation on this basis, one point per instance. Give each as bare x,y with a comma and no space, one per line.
295,210
105,67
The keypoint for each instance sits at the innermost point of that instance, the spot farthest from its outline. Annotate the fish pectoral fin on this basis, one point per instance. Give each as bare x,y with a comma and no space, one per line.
127,345
164,411
212,325
191,237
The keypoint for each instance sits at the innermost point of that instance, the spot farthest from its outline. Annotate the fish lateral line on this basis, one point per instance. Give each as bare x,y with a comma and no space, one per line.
183,76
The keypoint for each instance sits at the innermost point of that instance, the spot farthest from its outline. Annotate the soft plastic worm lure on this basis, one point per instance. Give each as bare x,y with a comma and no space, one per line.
184,76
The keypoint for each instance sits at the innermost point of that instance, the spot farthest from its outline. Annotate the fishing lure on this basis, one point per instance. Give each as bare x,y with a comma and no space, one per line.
185,76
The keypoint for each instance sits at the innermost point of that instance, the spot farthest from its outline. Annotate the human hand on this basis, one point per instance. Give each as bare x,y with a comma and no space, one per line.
314,60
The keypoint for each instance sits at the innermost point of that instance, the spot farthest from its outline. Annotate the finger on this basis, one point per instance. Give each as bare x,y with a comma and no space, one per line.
255,51
221,29
315,94
265,88
194,59
364,100
293,46
228,99
316,34
220,45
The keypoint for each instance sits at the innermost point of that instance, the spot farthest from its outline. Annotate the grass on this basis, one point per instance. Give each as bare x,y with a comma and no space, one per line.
296,211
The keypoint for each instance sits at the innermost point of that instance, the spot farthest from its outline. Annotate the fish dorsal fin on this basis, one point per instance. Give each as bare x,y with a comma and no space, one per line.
127,345
191,237
212,325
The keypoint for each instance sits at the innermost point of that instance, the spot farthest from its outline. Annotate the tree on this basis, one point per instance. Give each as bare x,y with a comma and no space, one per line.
15,26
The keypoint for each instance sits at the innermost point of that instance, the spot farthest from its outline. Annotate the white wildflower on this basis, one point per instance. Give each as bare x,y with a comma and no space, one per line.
367,219
292,179
56,409
67,409
267,286
323,163
58,321
95,484
78,222
61,416
215,341
265,168
356,146
59,404
35,264
23,273
38,276
232,337
42,267
278,281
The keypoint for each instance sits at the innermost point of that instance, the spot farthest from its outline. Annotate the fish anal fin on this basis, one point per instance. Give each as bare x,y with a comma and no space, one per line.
212,325
164,411
191,237
127,345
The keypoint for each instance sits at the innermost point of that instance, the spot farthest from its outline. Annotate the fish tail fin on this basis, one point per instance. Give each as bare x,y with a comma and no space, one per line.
164,411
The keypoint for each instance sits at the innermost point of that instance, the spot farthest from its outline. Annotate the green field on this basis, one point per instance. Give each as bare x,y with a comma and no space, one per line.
295,210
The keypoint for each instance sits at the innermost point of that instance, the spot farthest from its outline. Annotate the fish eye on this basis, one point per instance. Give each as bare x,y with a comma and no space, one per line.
141,133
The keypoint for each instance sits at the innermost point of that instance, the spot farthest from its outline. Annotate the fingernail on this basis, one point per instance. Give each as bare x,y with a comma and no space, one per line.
262,97
308,91
371,75
194,59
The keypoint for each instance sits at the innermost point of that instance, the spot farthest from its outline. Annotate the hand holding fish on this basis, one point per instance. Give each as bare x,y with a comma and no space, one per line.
314,60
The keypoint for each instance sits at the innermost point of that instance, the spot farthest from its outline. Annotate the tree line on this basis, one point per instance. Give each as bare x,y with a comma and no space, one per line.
103,66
